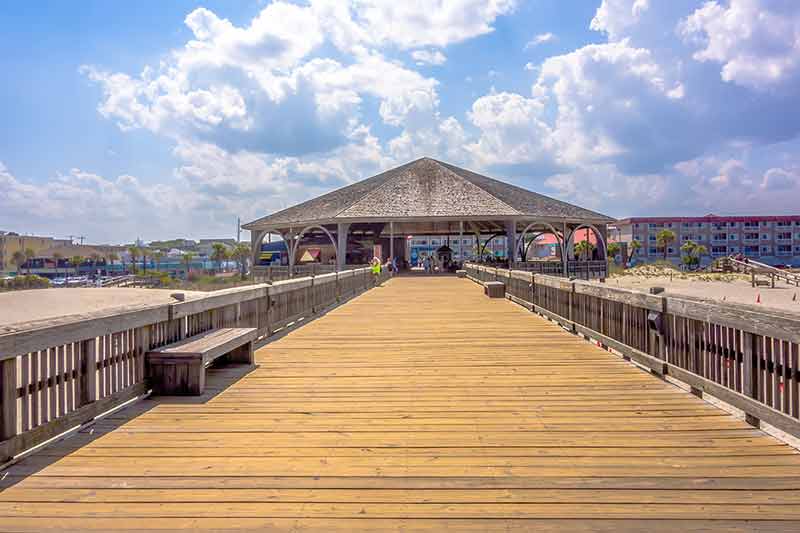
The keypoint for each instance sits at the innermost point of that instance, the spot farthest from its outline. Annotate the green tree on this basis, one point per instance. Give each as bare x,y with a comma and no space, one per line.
614,249
241,253
146,252
187,259
113,257
693,253
76,261
29,255
634,245
134,252
218,254
584,248
19,259
95,257
158,255
664,238
57,257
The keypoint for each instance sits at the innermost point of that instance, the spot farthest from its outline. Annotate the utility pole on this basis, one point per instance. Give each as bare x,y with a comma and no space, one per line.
238,230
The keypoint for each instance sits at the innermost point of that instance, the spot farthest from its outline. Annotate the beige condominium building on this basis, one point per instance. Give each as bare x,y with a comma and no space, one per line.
13,242
770,239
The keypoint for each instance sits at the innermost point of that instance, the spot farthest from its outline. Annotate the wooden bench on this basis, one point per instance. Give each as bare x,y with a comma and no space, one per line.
180,367
494,289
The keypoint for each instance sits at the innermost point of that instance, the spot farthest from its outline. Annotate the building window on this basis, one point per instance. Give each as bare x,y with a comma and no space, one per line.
765,249
732,236
784,236
720,236
764,237
751,236
719,250
764,224
652,238
750,225
751,250
784,249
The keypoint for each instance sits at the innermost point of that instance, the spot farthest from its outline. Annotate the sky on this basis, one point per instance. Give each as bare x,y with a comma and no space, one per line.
156,120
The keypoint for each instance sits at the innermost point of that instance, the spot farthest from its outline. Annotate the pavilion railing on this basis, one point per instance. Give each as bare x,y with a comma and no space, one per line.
743,356
56,375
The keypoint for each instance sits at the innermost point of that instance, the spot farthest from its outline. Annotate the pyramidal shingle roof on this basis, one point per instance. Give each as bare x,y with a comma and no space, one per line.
426,188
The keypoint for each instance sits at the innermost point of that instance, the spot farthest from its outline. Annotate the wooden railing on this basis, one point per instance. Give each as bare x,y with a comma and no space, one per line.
56,375
280,272
745,357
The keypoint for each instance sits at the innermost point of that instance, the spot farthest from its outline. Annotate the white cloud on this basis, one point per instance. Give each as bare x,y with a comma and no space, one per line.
77,200
428,57
417,23
540,39
615,16
757,42
778,179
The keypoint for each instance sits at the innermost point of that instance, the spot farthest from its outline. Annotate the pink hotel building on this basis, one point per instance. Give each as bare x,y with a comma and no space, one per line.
771,239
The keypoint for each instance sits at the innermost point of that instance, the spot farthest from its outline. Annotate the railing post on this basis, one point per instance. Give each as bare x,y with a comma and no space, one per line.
8,399
749,377
571,305
88,366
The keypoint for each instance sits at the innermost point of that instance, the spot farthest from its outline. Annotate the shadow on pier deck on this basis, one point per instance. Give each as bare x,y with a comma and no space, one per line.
418,405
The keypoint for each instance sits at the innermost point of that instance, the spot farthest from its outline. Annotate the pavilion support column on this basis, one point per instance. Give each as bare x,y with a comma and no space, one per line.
564,251
511,242
461,242
255,248
391,240
288,239
341,247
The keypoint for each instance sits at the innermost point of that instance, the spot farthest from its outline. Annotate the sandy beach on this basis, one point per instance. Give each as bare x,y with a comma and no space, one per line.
737,289
38,304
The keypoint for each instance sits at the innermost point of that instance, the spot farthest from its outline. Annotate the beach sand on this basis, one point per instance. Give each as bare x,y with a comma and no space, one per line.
38,304
737,290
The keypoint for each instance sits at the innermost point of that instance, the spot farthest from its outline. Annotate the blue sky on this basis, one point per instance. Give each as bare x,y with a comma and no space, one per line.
152,119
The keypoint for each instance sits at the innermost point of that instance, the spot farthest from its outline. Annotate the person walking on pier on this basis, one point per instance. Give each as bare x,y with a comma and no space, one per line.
376,271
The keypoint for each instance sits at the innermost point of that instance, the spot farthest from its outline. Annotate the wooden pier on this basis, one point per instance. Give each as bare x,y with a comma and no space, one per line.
418,405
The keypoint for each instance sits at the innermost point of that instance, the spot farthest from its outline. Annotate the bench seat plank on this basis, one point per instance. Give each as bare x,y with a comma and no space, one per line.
180,367
208,345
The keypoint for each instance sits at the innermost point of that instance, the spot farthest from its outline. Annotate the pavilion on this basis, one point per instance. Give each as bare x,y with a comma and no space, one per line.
427,197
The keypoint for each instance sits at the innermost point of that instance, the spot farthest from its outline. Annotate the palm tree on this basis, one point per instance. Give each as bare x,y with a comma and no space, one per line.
187,261
218,254
95,257
694,252
584,248
614,249
57,257
145,251
19,259
664,238
634,245
134,252
241,253
29,255
158,255
76,261
113,257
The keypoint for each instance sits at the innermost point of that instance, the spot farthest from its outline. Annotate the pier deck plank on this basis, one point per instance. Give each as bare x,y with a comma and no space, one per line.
420,405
